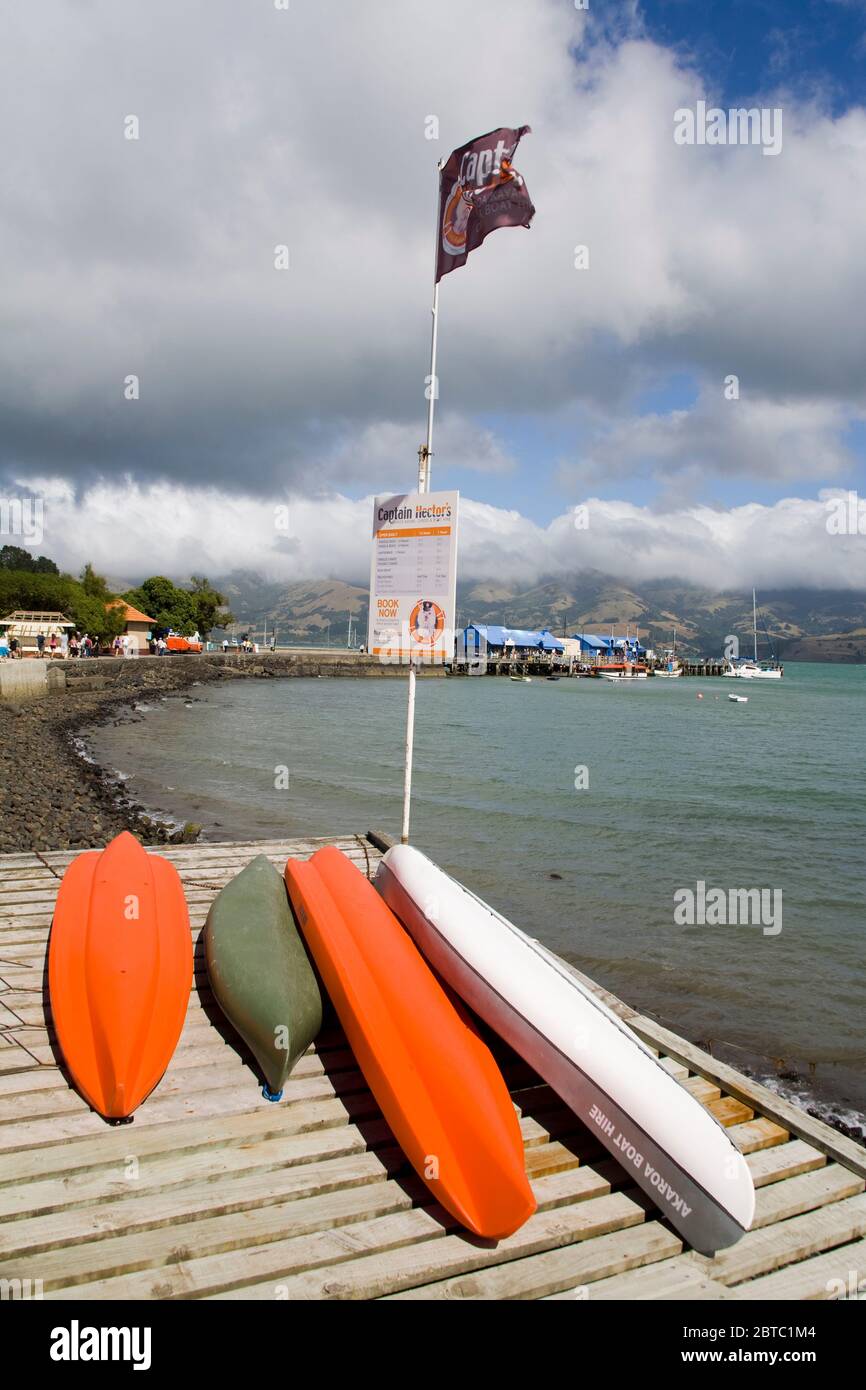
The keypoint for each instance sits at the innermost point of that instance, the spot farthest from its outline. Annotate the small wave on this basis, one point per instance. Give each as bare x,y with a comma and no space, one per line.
841,1117
83,751
143,708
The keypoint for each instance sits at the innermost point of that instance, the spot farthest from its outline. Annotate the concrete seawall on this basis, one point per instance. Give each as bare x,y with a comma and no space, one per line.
31,679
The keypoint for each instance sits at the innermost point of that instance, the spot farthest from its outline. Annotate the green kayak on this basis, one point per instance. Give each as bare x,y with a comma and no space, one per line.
260,972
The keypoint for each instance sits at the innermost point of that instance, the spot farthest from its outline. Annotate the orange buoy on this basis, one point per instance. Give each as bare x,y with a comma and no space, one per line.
434,1078
119,972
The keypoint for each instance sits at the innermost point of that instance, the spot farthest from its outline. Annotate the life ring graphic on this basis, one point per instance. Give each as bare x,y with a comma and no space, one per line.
426,623
456,219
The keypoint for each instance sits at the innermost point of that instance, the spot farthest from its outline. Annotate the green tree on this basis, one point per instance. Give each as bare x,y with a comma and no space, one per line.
165,603
93,584
15,557
210,605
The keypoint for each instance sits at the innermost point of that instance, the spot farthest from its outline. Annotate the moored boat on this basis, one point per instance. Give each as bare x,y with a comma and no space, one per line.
260,973
670,1145
433,1077
119,972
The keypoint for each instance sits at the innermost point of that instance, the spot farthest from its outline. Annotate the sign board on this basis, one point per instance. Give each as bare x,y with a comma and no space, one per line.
413,578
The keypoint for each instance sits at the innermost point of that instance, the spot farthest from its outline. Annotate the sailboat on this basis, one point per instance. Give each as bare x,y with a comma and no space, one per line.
757,670
672,667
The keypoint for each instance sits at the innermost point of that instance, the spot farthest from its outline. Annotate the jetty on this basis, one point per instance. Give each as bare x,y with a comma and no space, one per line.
212,1192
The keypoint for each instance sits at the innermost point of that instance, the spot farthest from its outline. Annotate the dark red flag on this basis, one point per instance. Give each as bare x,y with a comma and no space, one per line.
479,190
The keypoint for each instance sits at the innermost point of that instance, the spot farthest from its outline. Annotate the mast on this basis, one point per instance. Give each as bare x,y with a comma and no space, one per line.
755,624
425,454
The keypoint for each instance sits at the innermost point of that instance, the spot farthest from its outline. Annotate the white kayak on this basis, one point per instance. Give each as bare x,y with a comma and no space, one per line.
673,1148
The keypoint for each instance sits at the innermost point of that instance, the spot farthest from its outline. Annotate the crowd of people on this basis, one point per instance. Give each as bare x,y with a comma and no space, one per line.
81,645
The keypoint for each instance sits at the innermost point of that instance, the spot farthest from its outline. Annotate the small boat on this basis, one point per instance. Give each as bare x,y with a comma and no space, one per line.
119,972
739,699
754,669
434,1078
624,677
666,1141
552,678
672,668
260,973
522,680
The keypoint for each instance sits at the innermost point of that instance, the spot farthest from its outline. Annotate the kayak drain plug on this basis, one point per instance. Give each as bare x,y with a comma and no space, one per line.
271,1095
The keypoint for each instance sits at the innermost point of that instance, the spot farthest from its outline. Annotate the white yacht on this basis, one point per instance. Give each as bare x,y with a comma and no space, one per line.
756,670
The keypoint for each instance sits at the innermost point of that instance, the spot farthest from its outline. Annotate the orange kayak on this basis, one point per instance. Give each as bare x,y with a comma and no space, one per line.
119,972
434,1079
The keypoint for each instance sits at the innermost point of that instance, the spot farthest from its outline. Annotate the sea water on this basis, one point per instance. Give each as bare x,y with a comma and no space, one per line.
581,809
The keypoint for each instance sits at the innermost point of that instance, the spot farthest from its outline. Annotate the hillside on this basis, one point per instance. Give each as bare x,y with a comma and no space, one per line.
809,625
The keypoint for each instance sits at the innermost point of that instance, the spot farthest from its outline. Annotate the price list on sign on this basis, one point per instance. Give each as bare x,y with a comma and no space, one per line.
413,578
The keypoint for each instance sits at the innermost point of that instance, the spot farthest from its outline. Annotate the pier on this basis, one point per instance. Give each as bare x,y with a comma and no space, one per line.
212,1192
543,666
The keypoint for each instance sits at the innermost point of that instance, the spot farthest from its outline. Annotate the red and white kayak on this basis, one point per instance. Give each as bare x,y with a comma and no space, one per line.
664,1138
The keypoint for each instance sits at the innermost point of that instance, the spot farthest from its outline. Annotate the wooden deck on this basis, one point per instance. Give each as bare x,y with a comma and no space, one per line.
212,1192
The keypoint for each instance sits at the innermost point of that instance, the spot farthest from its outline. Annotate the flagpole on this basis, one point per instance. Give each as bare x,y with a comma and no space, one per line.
425,454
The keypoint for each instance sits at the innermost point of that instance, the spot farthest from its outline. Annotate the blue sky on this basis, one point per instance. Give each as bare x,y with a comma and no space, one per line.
747,47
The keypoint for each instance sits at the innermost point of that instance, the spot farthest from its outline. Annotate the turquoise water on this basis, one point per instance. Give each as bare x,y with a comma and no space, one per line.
770,794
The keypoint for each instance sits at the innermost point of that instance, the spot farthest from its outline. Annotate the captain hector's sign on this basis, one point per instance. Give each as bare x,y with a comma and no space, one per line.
413,577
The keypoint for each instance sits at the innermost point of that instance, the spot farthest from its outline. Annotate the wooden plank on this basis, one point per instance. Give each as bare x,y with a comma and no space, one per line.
730,1111
818,1278
674,1280
257,1269
771,1247
784,1161
223,1100
757,1134
63,1230
374,1274
571,1267
112,1181
152,1255
797,1195
115,1145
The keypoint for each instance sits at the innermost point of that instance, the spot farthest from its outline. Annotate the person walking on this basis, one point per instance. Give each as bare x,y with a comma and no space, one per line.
40,644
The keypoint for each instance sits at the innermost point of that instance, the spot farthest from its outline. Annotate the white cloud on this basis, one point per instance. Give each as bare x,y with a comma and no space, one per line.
719,437
175,530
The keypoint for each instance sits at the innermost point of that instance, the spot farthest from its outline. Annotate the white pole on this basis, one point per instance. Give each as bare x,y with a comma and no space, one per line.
424,469
755,624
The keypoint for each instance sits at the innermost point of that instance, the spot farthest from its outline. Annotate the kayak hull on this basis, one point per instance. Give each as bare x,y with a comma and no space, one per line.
259,970
670,1144
119,972
433,1077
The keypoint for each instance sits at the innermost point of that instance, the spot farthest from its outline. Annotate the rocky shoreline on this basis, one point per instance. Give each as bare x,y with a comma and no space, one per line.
51,795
